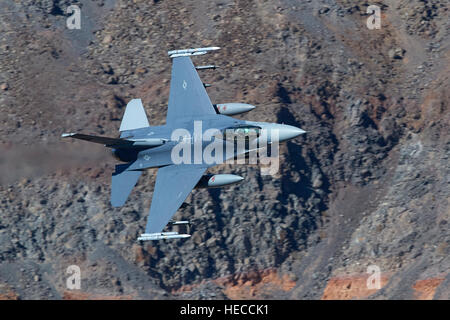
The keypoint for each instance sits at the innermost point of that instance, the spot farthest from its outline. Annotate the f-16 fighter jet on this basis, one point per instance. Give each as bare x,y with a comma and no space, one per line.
197,135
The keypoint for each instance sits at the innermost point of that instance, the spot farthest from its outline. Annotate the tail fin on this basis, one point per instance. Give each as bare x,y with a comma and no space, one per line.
122,183
134,116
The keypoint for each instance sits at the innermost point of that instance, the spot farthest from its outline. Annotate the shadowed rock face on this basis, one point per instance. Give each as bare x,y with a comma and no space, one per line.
367,185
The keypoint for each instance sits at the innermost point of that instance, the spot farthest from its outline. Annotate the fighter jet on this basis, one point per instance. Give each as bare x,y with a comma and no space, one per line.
179,148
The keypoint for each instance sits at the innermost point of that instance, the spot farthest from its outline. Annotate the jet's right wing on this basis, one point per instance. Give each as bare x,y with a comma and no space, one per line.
188,97
173,185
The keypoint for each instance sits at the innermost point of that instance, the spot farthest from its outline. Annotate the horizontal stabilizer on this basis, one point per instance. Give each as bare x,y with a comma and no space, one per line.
122,183
97,139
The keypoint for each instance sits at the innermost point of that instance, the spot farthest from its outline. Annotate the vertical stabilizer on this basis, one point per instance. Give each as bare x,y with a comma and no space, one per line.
134,116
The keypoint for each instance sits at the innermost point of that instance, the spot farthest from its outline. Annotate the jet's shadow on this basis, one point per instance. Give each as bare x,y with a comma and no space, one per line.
313,200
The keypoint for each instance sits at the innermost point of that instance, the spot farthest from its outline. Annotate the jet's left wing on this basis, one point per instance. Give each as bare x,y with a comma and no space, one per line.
173,185
188,97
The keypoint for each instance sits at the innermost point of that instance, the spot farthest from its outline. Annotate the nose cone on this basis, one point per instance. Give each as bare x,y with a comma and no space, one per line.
289,132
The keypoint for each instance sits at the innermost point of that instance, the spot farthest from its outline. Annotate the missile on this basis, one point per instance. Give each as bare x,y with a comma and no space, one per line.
178,223
176,55
211,66
218,180
162,235
193,50
230,109
190,52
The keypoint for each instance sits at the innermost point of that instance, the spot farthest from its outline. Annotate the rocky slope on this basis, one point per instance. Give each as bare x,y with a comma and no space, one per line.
367,185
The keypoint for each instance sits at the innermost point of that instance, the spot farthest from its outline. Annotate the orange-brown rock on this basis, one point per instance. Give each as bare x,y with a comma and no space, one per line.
425,289
252,285
79,295
350,287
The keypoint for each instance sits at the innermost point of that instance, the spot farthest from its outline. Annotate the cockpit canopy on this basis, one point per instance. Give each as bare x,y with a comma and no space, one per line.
241,132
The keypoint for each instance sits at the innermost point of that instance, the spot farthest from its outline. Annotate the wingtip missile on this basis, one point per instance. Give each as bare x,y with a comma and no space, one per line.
190,52
178,223
162,236
66,135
